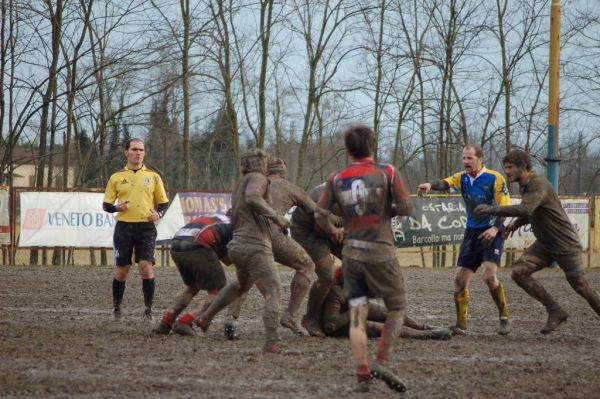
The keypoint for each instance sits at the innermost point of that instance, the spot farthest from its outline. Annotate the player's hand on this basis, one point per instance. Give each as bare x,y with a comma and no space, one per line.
488,236
122,206
423,189
337,235
153,216
481,210
282,223
509,230
336,220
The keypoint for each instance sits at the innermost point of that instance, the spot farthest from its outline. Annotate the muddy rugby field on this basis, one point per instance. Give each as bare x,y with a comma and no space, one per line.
57,340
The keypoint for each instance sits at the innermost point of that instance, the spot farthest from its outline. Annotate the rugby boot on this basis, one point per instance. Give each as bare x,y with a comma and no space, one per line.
271,347
148,316
183,326
229,330
203,324
117,314
504,327
289,321
363,383
165,324
313,329
381,372
456,330
440,334
555,318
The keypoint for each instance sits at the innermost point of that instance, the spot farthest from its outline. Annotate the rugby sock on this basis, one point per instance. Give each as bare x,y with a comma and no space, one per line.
363,373
186,319
168,318
461,300
148,289
118,289
390,330
500,299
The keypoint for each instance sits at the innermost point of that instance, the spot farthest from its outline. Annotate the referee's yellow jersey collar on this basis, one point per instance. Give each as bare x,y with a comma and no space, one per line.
143,168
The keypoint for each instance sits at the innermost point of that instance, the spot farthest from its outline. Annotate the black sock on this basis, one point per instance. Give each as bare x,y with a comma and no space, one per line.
148,289
118,289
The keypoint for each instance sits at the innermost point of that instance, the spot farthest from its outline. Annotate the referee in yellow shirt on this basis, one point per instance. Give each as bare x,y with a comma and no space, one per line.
135,189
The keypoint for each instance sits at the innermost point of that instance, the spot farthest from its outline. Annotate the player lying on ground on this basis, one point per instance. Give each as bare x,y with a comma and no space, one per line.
335,318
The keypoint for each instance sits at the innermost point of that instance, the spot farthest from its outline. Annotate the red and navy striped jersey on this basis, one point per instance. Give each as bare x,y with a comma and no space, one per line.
366,191
213,232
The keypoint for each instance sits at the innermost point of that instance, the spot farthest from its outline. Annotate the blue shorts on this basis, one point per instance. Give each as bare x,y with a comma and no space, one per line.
473,252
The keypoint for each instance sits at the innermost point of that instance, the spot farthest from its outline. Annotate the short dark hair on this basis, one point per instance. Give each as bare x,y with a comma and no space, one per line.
359,140
128,142
519,158
477,148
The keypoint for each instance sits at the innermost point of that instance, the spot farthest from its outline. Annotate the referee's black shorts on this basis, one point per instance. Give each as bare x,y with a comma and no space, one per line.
130,238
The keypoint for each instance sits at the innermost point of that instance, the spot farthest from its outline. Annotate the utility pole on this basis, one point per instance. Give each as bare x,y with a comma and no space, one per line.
553,158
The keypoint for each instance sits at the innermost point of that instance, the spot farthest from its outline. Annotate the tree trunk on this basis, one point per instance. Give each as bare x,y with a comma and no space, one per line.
185,73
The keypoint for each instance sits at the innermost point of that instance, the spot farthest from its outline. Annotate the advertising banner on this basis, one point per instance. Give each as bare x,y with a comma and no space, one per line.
64,220
203,204
77,219
597,223
578,211
186,206
4,218
436,221
442,221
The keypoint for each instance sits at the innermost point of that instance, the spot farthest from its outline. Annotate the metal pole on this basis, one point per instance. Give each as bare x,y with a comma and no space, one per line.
553,157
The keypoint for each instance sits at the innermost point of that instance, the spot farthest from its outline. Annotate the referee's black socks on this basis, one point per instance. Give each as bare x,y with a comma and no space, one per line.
148,289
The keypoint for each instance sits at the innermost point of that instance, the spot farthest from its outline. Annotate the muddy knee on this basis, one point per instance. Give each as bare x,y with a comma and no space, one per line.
490,280
577,280
522,269
307,270
325,274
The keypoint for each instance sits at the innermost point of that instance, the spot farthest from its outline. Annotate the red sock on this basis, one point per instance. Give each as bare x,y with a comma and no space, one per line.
168,318
362,369
186,319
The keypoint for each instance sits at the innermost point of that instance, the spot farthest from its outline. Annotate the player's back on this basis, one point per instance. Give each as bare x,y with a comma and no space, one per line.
363,190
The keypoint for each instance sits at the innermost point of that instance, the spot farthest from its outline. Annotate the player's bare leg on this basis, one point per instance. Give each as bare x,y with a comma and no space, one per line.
182,300
227,295
233,313
390,332
184,325
359,342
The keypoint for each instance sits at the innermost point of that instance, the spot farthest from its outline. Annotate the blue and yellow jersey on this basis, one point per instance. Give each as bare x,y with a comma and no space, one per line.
488,187
142,188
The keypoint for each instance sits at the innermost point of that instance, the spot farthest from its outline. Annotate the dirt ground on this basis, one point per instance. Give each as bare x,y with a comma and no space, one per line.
57,340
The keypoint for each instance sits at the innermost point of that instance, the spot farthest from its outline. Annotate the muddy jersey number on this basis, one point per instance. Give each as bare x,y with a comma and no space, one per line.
359,196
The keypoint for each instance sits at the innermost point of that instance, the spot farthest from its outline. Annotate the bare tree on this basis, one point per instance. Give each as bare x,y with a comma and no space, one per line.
223,58
321,42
